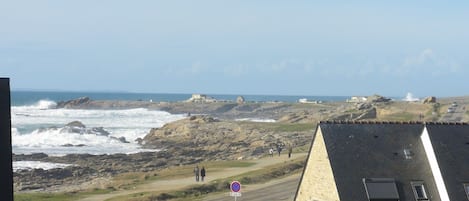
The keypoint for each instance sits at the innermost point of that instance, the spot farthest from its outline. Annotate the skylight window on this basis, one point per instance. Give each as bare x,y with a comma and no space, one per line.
381,189
419,190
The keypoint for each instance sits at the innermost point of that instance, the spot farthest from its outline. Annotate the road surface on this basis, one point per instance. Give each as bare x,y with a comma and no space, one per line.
456,116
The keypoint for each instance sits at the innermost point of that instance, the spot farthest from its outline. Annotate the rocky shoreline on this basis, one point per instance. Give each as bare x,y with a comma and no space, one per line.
211,131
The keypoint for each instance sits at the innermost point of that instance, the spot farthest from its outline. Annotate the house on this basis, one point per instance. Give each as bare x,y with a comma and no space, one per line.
357,99
387,161
201,98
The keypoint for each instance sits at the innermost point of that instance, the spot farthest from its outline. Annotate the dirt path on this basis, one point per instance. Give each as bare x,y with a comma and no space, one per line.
164,185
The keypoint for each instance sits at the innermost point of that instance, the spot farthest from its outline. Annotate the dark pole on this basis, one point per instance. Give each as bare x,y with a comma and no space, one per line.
6,171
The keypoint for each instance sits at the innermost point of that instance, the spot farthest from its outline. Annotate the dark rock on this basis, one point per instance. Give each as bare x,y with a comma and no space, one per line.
378,99
77,124
73,103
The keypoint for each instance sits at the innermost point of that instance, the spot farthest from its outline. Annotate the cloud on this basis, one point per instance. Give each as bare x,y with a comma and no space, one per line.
425,56
428,62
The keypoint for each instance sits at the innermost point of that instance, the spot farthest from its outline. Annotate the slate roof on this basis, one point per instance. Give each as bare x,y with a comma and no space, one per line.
451,145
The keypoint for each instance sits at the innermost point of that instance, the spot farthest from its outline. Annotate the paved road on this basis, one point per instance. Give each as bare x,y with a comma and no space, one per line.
456,116
279,190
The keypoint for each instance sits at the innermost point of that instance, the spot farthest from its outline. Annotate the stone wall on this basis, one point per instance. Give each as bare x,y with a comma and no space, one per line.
318,182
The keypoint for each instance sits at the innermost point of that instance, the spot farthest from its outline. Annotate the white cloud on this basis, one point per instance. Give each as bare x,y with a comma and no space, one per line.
425,56
428,61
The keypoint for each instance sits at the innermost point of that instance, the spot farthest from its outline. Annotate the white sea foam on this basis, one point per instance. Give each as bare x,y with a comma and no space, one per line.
257,120
28,165
410,98
28,137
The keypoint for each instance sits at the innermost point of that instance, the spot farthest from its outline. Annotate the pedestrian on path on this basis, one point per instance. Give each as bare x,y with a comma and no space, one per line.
271,152
202,173
290,150
196,172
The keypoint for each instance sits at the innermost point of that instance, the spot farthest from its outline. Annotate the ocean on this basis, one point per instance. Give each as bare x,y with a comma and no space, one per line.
37,127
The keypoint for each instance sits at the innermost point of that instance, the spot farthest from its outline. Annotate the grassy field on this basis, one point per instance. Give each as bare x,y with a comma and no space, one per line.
69,196
129,181
197,192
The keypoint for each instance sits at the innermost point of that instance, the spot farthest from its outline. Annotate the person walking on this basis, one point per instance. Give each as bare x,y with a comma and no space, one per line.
271,152
196,172
290,150
202,173
279,148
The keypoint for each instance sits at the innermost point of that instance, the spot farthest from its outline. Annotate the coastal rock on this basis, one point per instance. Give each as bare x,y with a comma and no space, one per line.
428,100
240,100
377,99
73,103
363,106
78,127
300,117
355,116
77,124
205,138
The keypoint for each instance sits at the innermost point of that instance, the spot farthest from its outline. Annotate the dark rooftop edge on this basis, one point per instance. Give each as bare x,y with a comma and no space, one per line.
391,122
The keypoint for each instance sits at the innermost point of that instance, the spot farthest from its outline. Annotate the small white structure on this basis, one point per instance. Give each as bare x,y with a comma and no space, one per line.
201,98
305,100
357,99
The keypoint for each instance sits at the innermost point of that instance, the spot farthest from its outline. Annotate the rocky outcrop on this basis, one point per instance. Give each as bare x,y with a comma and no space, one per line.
240,100
205,138
80,128
85,167
355,116
79,102
429,100
363,106
377,99
299,117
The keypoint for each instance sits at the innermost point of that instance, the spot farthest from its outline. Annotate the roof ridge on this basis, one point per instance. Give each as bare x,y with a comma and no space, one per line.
391,122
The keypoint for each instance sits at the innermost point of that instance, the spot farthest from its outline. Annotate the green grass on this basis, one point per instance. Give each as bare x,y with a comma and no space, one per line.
403,116
297,127
197,192
57,196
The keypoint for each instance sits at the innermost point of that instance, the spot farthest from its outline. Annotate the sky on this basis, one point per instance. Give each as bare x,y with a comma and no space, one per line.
237,47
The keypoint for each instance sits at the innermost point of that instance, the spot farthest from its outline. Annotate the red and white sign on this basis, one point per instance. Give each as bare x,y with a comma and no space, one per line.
235,187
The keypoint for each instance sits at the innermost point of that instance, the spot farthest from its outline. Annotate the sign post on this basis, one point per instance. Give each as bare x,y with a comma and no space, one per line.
235,187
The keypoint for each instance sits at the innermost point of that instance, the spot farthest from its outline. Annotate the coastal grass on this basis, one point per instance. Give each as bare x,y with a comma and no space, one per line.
197,192
402,116
294,127
130,180
67,196
280,126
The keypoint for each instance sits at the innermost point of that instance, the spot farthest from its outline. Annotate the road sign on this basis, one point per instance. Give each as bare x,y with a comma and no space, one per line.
235,186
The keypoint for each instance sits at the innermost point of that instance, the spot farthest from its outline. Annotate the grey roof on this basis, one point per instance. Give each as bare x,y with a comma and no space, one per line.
451,145
360,150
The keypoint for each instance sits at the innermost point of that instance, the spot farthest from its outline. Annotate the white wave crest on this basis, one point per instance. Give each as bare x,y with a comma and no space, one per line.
30,133
410,98
40,105
28,165
257,120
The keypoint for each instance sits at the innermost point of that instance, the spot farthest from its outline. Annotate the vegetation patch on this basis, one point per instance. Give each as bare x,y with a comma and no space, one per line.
69,196
291,127
196,192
